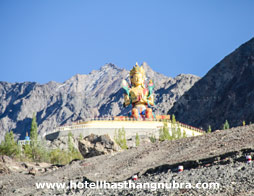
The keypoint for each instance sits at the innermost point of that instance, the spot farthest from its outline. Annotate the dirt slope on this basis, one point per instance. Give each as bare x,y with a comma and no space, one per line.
226,148
138,160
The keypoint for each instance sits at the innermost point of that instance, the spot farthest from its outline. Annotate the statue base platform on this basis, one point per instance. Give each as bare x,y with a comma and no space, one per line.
101,126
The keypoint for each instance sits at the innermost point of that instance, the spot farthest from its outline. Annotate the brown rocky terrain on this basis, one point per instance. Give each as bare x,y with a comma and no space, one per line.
216,157
226,92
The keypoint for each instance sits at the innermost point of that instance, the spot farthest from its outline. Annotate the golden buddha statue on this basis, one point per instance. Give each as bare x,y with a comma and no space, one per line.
138,95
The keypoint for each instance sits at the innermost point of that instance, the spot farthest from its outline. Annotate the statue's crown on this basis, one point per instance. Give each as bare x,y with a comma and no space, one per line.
137,69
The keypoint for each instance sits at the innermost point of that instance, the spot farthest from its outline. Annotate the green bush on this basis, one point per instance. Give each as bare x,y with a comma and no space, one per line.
36,151
80,136
9,146
209,129
226,125
184,134
244,123
152,138
120,138
33,130
62,157
73,152
137,140
58,156
164,132
176,132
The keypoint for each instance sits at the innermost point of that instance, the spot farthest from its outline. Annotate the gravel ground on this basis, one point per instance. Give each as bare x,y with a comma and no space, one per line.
233,178
217,157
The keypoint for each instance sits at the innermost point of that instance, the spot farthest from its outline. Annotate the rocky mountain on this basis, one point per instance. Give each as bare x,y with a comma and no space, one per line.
226,92
98,93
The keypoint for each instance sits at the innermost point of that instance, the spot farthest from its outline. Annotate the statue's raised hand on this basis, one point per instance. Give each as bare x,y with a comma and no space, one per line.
125,86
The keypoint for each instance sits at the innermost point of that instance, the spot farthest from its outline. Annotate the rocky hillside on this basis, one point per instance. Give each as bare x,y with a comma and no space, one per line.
219,157
82,96
226,92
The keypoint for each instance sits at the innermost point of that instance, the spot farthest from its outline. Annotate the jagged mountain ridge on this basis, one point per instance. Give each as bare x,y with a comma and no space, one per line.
226,92
98,93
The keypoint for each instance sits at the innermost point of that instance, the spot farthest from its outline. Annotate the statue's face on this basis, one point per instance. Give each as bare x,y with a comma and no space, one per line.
137,79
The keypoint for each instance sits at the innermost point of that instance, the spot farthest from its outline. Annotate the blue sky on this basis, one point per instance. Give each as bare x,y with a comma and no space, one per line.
46,40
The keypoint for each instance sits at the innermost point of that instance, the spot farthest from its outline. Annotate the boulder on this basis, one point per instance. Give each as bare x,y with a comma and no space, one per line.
32,171
8,165
94,145
4,169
